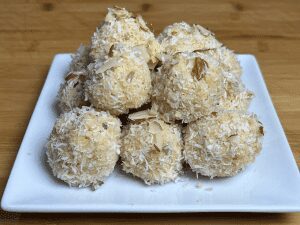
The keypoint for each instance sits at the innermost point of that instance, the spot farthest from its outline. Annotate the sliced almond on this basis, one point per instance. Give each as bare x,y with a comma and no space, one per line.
117,7
110,63
261,130
200,68
142,23
157,148
70,76
214,113
158,141
111,51
204,50
142,115
155,127
203,31
232,135
130,77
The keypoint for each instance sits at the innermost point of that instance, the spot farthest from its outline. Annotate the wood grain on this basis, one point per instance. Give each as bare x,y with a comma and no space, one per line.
32,32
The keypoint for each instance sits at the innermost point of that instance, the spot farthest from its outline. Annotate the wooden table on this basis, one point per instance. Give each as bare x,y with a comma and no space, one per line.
32,32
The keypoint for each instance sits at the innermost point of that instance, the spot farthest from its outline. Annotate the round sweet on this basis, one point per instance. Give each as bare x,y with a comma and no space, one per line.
121,26
71,93
120,83
152,150
187,87
80,59
222,144
181,37
84,147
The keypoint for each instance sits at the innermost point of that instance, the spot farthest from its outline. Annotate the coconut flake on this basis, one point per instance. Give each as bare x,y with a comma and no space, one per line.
81,151
222,145
143,151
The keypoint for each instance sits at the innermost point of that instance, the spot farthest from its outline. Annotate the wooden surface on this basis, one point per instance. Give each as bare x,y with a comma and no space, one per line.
32,32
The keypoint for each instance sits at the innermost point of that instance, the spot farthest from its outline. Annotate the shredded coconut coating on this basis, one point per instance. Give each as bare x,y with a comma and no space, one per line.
121,26
181,37
152,151
236,96
120,83
80,59
228,60
222,144
187,87
84,147
71,94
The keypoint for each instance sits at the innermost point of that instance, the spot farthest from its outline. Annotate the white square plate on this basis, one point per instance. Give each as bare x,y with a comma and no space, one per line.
271,184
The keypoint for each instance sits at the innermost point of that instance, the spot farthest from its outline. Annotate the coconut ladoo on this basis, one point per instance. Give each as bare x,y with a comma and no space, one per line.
182,37
81,59
151,149
84,147
121,26
222,144
187,87
71,93
120,83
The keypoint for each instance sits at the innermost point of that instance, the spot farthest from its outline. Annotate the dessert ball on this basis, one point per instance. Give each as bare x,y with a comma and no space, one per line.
152,150
187,87
222,144
121,26
71,93
181,37
84,147
80,59
120,83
